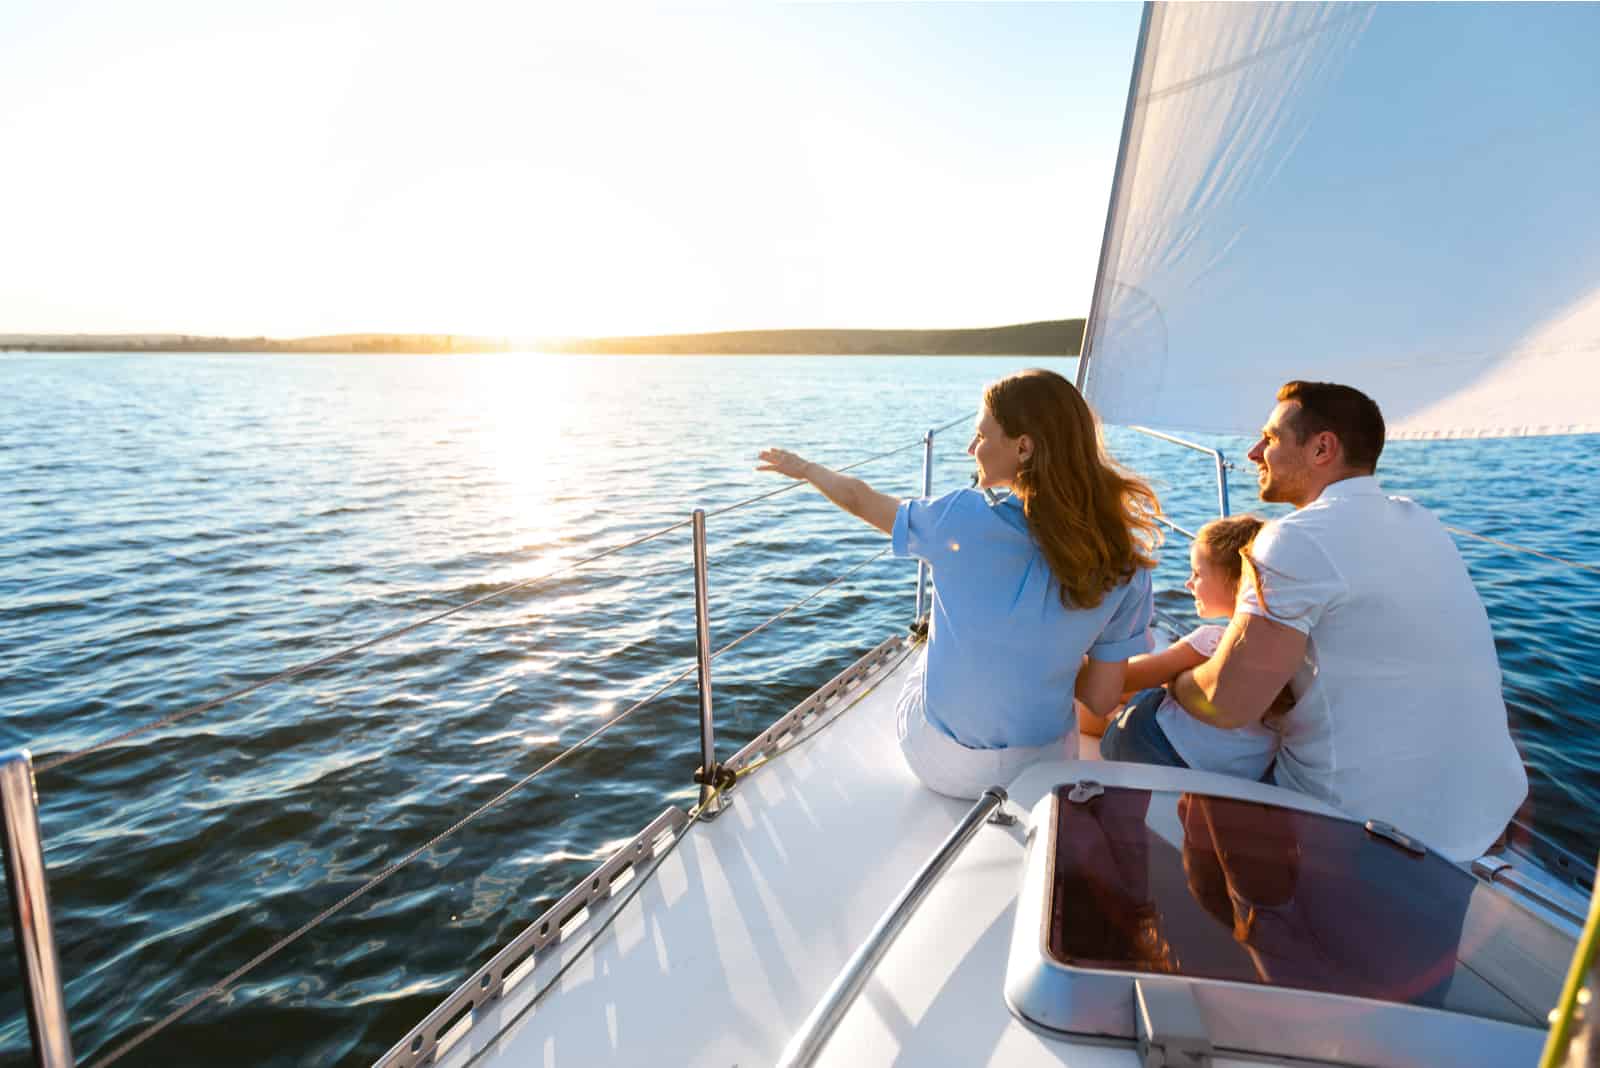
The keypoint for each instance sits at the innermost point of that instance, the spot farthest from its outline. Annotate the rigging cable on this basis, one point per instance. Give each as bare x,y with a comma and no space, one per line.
851,467
61,759
283,943
1577,564
300,669
222,985
1522,549
804,600
694,814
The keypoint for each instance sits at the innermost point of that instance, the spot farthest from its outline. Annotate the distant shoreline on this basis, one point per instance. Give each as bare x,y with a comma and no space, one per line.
1057,337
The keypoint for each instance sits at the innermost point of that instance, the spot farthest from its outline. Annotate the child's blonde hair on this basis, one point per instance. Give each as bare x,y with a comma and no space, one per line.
1227,544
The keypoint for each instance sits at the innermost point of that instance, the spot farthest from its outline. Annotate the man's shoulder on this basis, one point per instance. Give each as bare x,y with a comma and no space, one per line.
1300,544
1332,519
1339,512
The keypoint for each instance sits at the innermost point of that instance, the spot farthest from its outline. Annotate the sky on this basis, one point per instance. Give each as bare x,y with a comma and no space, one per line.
535,170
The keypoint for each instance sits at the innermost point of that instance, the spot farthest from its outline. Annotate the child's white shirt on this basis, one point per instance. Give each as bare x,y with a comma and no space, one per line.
1246,752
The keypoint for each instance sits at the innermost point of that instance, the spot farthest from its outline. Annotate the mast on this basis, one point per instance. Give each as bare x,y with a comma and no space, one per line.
1097,298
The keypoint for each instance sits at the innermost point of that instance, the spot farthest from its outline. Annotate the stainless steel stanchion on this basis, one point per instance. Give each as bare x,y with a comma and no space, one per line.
30,913
710,775
917,623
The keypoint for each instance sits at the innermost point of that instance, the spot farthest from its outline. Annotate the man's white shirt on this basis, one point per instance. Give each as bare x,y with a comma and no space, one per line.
1398,710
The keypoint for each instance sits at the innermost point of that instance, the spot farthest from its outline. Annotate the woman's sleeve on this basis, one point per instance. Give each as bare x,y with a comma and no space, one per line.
1124,633
929,527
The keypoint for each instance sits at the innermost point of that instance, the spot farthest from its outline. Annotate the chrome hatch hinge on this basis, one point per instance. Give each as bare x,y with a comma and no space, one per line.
1394,836
1171,1029
1084,792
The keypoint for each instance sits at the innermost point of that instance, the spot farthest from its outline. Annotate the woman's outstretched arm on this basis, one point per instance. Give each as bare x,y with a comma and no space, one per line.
851,494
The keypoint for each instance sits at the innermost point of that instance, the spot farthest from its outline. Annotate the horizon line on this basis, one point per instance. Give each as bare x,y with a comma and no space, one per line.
177,335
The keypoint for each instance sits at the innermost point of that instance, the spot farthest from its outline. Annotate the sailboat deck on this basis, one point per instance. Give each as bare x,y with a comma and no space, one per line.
729,943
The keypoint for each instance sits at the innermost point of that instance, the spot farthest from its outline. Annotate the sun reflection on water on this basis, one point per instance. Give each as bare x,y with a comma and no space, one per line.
532,411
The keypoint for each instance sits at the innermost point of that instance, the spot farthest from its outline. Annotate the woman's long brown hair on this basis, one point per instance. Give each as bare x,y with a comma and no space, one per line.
1093,521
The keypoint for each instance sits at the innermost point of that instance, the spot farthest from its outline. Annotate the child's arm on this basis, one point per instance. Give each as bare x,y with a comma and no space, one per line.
1158,669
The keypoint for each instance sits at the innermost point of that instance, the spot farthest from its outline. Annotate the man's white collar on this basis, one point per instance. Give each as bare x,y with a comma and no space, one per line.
1350,487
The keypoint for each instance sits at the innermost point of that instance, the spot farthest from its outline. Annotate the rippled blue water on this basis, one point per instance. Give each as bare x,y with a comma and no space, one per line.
177,526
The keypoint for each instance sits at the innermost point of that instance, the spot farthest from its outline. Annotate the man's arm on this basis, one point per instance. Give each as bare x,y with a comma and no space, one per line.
851,494
1236,687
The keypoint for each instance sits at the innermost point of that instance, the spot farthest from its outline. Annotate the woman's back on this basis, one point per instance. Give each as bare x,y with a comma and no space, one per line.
1004,651
1022,588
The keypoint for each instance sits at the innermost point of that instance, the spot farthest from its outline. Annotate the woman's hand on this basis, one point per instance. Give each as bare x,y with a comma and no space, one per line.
851,494
783,462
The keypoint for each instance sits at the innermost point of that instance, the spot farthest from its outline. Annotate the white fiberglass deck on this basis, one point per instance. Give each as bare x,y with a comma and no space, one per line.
736,935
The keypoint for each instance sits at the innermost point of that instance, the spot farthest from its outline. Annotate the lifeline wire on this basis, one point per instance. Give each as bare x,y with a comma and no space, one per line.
301,669
631,892
61,759
1523,549
284,942
1454,530
327,913
810,597
851,467
636,885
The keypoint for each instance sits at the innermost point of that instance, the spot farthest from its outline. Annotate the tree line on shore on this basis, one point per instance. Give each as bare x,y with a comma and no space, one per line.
1057,337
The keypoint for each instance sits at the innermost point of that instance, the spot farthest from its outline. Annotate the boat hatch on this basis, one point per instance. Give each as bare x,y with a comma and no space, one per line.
1195,923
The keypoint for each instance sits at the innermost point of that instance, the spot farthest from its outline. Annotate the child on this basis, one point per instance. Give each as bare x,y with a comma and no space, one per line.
1154,728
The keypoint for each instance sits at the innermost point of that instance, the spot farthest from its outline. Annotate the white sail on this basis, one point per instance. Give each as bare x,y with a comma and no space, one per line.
1401,197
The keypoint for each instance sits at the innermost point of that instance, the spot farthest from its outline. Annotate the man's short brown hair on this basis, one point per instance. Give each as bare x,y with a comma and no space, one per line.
1345,412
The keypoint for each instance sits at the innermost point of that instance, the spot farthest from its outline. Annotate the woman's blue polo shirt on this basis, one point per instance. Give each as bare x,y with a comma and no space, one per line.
1003,653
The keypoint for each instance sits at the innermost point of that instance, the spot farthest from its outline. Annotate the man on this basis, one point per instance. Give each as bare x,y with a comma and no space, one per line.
1363,602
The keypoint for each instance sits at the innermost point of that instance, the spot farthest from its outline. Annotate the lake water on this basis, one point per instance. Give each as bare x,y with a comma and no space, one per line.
174,527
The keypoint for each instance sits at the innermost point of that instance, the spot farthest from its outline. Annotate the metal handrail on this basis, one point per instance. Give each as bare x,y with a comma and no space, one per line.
1221,462
807,1044
30,913
1185,531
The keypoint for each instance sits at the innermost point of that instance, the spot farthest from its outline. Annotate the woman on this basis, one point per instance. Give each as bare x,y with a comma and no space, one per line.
1023,588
